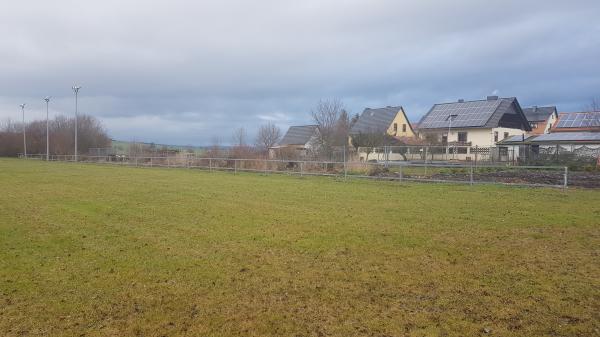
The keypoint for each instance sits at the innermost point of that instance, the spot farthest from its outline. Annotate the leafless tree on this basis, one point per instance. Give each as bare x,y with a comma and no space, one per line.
239,137
268,135
371,140
594,108
330,115
214,150
594,105
91,135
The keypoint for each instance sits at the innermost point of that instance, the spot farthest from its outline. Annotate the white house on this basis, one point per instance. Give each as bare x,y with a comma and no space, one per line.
480,123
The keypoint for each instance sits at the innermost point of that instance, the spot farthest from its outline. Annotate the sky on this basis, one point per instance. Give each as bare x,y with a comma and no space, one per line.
189,72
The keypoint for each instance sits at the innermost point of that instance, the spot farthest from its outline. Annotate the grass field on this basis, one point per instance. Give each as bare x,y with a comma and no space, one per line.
108,251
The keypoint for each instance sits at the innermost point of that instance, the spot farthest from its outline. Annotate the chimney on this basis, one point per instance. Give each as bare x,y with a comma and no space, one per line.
461,100
535,108
492,98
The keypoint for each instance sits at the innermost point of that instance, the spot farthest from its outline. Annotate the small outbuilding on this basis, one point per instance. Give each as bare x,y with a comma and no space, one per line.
297,142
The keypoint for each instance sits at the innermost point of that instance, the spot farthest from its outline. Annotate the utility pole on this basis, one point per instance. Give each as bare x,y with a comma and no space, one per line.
76,91
24,137
47,99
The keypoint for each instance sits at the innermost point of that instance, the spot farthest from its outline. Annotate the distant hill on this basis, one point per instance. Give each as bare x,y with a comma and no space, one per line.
122,147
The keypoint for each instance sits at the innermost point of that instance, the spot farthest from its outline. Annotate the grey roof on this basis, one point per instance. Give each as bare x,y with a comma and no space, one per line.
517,138
375,120
539,113
298,135
554,138
568,137
579,120
475,114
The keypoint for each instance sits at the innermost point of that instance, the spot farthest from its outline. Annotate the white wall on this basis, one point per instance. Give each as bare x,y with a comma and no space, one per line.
479,137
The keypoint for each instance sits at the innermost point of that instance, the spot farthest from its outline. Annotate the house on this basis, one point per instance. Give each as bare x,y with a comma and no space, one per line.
577,122
481,123
541,119
379,128
298,141
391,120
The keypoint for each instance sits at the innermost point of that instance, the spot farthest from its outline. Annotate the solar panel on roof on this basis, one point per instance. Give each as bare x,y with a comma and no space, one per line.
467,114
579,120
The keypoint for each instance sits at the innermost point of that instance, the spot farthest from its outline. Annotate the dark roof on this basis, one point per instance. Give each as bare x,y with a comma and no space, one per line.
569,137
298,135
554,138
515,139
539,113
490,113
375,120
579,120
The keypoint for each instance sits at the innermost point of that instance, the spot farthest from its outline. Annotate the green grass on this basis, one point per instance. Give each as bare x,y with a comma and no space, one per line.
109,251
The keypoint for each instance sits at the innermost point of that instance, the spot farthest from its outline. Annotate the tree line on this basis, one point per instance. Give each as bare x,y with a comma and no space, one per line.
91,134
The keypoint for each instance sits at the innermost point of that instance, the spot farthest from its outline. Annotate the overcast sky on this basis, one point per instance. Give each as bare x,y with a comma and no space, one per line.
183,72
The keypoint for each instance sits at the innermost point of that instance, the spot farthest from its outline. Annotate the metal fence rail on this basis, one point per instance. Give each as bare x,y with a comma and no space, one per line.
460,173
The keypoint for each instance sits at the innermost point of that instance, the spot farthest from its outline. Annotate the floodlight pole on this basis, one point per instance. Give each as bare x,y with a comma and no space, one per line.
76,91
24,137
47,99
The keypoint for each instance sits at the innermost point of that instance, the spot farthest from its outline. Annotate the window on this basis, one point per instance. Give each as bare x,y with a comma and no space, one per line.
505,135
495,136
462,137
395,128
403,127
444,139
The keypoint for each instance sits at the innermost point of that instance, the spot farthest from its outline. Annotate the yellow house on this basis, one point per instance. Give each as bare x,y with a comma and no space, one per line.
391,120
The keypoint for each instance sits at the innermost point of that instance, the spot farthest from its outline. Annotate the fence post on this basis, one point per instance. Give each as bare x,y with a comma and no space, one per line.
565,178
471,175
400,173
168,162
345,168
234,166
476,153
426,154
301,169
266,165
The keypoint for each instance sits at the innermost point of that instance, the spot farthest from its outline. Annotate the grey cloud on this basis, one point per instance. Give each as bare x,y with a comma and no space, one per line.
180,71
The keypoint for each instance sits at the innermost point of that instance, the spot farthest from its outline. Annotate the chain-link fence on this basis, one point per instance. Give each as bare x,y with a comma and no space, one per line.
551,176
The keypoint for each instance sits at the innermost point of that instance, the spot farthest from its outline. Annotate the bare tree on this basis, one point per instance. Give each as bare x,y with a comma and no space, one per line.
239,137
91,135
327,116
268,135
342,129
371,140
594,109
594,105
214,150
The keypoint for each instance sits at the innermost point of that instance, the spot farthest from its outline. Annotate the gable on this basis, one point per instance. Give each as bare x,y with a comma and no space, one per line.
401,120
